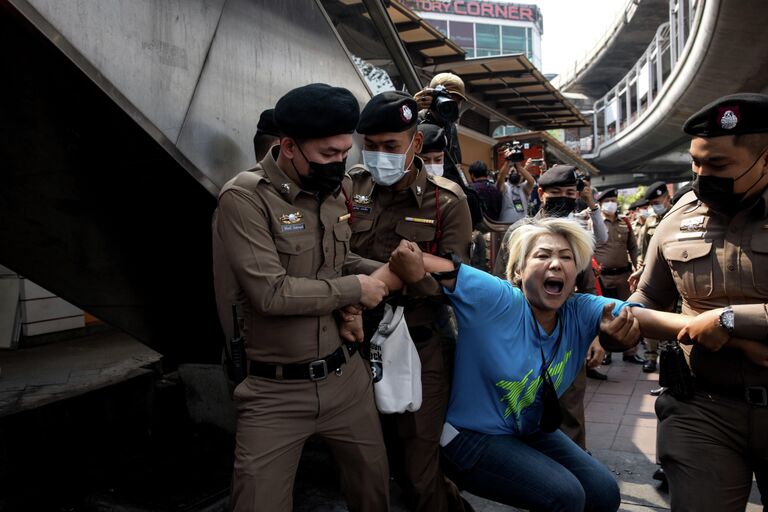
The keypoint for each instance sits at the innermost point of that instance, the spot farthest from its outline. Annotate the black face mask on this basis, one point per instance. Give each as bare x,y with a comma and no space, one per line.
325,179
717,193
514,179
559,206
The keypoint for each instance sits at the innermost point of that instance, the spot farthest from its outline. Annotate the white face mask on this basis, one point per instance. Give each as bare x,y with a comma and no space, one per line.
386,168
610,207
645,213
434,169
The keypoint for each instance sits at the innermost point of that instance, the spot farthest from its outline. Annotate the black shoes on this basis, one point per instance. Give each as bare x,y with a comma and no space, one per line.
656,391
649,366
608,359
635,359
660,475
594,374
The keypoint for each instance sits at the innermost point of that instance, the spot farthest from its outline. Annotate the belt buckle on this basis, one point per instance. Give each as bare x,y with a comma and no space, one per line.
756,395
315,367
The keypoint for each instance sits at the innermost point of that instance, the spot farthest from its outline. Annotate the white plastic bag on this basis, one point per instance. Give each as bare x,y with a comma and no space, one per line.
395,364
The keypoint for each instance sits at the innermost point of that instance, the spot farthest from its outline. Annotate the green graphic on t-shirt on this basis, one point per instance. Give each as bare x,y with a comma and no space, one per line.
521,394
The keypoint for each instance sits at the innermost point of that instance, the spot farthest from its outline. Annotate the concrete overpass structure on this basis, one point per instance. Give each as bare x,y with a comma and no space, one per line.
705,49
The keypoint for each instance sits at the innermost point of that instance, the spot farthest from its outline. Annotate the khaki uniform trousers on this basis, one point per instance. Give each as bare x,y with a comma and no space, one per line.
572,409
710,446
275,418
413,438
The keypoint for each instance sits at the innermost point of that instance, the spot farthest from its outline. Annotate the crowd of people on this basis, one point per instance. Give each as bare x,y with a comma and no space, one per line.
309,250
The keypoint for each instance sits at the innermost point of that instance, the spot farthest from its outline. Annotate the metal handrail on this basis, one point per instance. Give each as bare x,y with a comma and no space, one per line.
636,92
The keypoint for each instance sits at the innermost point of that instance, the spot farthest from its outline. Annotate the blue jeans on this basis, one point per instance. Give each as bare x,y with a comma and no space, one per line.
543,472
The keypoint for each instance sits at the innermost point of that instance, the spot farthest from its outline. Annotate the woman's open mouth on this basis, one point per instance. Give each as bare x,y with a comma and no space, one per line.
553,286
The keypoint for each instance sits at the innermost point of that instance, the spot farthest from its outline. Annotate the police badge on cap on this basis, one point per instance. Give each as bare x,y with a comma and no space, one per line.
735,114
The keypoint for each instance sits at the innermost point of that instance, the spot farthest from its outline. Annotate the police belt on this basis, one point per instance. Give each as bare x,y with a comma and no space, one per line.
313,370
753,395
616,271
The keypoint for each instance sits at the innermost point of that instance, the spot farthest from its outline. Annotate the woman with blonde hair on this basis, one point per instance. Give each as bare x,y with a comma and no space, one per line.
519,348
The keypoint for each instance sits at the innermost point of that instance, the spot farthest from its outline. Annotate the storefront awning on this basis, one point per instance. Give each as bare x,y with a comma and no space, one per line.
514,87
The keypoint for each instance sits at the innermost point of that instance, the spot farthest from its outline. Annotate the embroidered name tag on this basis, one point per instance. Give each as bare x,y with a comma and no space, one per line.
361,209
292,227
689,235
692,224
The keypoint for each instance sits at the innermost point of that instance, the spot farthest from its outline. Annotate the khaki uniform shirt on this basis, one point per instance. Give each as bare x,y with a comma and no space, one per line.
289,256
621,246
646,233
712,261
382,217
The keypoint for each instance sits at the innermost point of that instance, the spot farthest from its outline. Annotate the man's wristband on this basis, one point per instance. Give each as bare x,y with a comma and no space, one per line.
449,274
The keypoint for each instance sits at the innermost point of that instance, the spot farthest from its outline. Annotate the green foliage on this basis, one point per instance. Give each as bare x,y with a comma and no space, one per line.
625,201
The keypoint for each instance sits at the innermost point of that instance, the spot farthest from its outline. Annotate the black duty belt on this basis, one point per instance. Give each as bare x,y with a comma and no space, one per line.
616,271
313,370
753,395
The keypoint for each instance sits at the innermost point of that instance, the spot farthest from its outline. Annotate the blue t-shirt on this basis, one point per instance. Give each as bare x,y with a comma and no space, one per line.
497,377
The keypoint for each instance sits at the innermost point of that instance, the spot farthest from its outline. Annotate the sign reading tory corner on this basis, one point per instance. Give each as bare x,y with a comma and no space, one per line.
513,12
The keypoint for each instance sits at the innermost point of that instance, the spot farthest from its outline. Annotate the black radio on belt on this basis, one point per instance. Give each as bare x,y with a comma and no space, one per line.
674,372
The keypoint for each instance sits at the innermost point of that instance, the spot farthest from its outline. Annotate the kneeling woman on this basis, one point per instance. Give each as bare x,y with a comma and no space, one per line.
518,349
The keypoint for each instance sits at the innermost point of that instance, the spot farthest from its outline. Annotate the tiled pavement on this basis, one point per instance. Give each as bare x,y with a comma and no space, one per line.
621,433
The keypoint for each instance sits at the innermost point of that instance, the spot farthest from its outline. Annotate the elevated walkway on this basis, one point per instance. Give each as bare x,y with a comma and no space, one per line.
711,48
617,51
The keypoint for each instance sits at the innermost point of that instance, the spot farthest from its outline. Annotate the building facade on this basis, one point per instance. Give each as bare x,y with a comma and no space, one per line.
486,28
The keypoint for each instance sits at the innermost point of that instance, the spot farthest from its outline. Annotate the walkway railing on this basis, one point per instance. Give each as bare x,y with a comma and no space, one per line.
626,102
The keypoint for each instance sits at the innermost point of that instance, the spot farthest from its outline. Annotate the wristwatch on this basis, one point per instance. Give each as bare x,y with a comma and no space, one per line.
594,208
726,319
449,274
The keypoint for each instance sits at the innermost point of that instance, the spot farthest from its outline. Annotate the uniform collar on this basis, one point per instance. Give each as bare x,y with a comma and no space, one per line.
419,186
284,185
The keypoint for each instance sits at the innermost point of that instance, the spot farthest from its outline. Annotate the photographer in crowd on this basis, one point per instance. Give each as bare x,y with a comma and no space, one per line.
440,104
515,183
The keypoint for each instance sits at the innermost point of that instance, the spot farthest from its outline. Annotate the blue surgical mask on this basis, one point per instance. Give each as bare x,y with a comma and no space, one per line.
659,209
386,168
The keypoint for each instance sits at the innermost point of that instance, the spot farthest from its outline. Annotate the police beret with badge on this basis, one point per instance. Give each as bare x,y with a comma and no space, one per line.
735,114
389,111
316,111
267,125
434,138
607,194
654,190
558,176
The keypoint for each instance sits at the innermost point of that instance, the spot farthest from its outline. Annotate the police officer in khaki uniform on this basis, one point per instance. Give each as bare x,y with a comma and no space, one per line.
659,201
282,229
712,250
617,257
558,193
394,198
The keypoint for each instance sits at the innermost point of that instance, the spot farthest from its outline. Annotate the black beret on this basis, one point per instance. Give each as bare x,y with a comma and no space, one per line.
735,114
605,194
640,203
315,111
558,176
655,190
434,138
390,111
267,125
